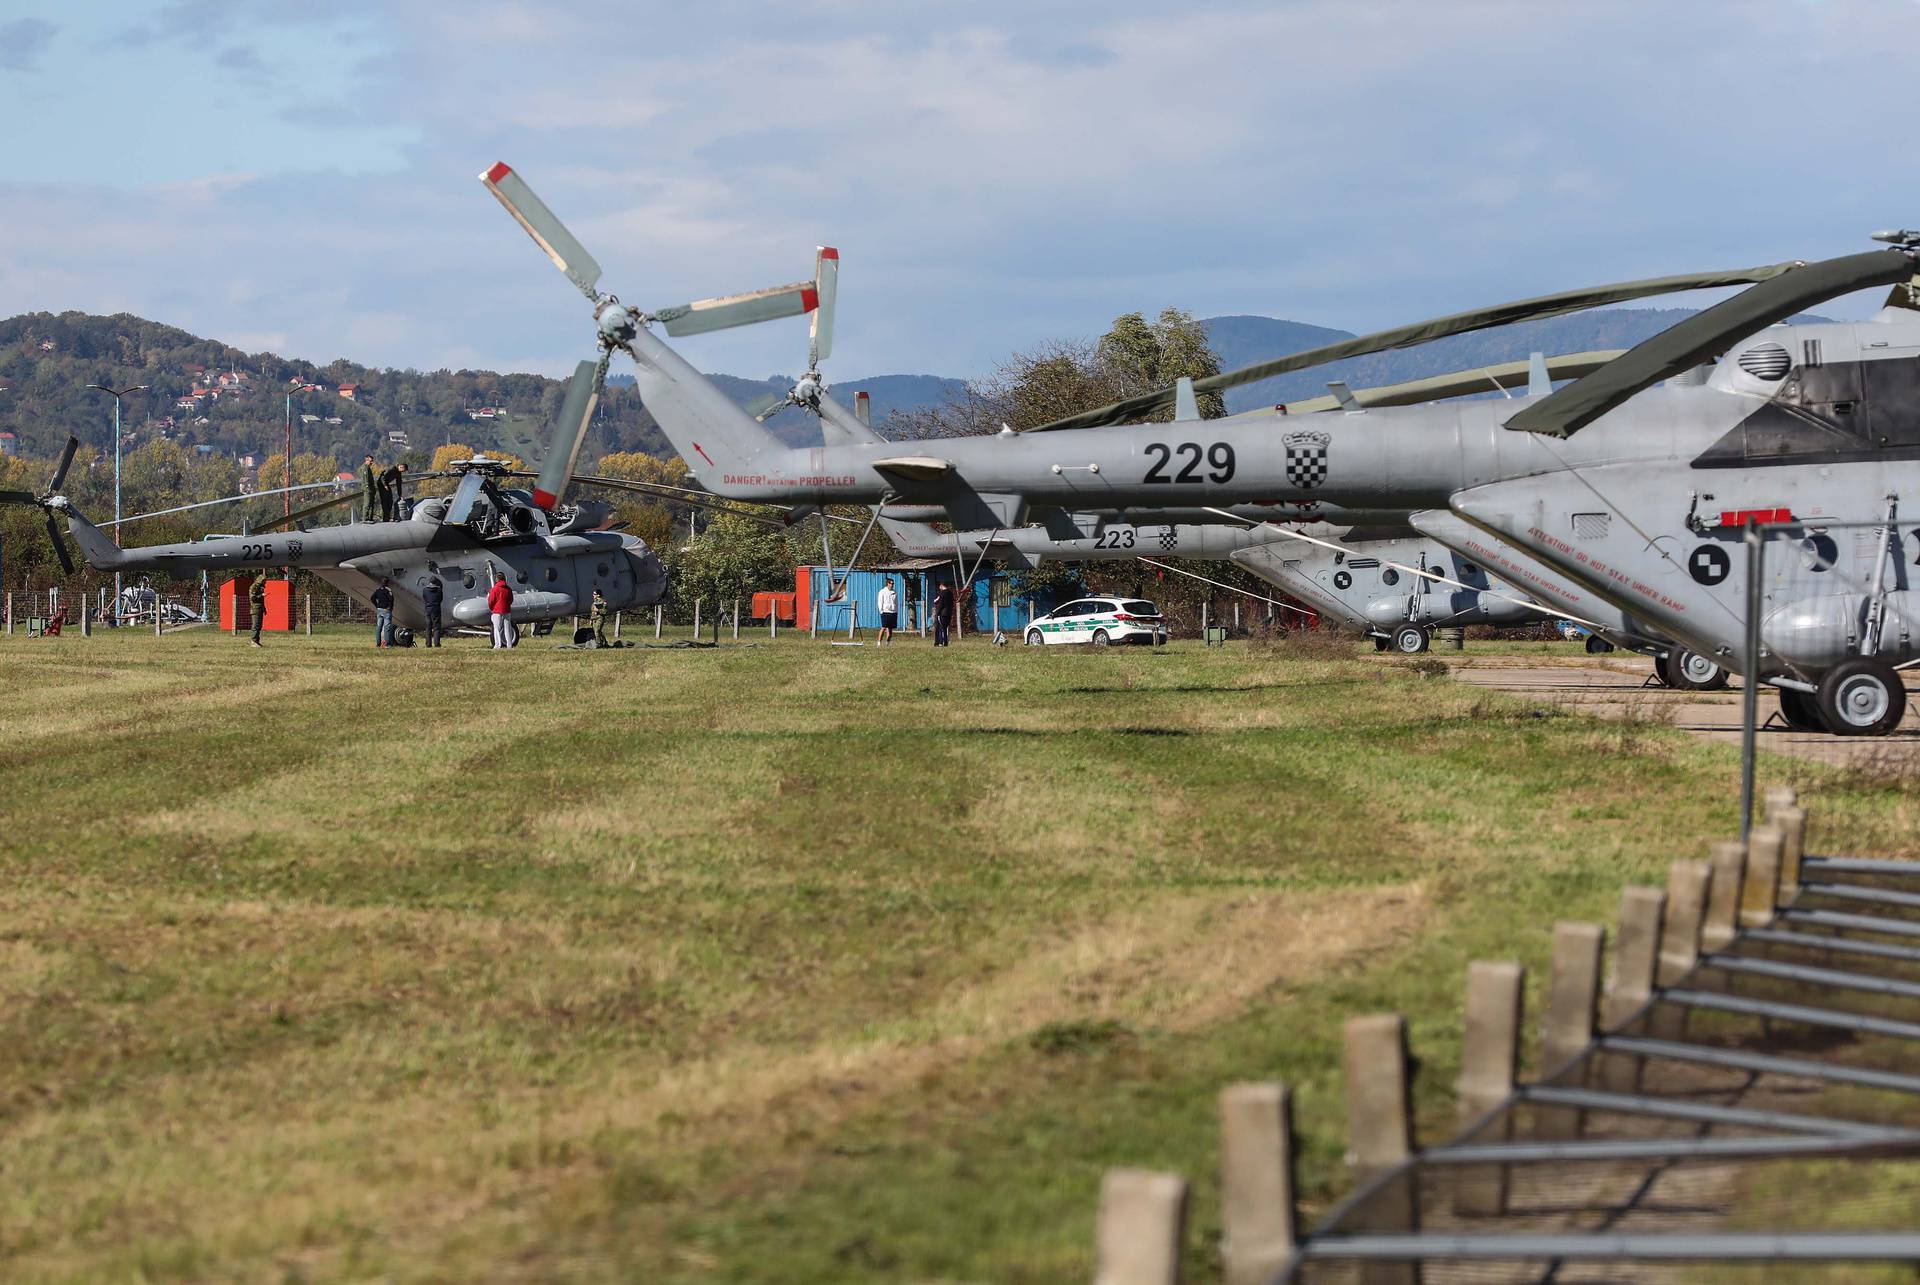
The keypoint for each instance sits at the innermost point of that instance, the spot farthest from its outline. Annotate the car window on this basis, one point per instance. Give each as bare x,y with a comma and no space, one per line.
1070,610
1139,607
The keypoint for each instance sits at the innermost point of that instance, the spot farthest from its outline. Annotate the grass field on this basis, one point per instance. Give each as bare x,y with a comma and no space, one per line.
776,962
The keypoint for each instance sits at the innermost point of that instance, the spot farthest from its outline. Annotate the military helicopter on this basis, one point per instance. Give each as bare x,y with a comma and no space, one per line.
1420,456
554,554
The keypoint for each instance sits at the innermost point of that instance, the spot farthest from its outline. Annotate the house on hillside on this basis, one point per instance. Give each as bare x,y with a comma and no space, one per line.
9,445
309,419
187,403
249,461
397,437
47,345
350,391
197,372
334,419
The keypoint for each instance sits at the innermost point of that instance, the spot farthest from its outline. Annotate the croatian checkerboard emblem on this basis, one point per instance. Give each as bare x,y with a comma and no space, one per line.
1307,458
1709,564
293,548
1169,539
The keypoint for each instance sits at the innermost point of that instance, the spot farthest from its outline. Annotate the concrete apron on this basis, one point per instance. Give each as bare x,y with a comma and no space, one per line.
1611,687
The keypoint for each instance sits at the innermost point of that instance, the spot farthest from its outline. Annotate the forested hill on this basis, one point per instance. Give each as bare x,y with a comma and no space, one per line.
47,361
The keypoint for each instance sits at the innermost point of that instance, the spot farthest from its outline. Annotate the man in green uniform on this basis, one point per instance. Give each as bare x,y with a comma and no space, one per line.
390,483
370,487
257,604
597,619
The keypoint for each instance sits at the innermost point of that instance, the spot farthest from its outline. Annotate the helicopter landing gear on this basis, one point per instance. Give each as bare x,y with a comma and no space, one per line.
1598,646
1690,671
1801,711
1381,642
1861,697
1410,640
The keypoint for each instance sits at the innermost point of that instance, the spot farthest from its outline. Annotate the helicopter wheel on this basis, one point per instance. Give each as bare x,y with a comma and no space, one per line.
1692,672
1662,668
1598,646
1410,639
1381,642
1861,697
1801,711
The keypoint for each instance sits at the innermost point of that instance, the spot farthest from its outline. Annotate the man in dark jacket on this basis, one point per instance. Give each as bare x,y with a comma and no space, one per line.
383,614
431,597
370,492
942,614
390,483
257,604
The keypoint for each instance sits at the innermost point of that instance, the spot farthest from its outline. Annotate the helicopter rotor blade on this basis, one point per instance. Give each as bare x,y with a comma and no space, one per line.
863,408
547,231
583,394
59,544
727,311
826,285
18,497
1460,323
66,462
298,515
464,498
767,405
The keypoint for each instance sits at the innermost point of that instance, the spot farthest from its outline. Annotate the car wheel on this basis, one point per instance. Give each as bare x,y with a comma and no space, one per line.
1034,639
1598,646
1410,639
1861,697
1100,638
1690,671
1801,711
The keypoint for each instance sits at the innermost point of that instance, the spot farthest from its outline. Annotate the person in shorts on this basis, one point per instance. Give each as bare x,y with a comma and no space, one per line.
888,602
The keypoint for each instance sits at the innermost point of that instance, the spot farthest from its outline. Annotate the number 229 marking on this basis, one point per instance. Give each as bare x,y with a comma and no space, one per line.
1219,458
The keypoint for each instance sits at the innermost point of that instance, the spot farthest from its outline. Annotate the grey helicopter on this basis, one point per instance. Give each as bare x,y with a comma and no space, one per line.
1408,457
553,553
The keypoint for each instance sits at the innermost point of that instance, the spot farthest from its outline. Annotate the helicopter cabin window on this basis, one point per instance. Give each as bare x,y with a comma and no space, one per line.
1838,411
601,570
553,574
1389,576
521,576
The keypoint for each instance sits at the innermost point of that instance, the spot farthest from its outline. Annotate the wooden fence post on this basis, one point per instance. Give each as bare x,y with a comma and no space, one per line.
696,620
1143,1220
1792,822
1258,1216
1380,1129
657,617
1635,964
308,611
736,620
1489,1061
1687,886
1729,862
1573,999
618,618
1759,899
9,613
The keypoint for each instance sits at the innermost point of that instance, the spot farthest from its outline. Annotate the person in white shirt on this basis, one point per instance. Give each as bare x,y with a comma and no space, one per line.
888,601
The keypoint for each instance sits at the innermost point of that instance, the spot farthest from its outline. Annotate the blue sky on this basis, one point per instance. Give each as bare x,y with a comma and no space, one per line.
302,177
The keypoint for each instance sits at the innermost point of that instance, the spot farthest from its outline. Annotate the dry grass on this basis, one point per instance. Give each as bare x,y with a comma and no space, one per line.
796,963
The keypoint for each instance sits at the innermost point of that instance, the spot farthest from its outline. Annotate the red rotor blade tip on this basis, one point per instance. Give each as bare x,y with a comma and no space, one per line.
828,252
499,171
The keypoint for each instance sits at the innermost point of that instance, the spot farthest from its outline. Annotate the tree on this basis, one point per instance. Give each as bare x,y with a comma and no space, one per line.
732,558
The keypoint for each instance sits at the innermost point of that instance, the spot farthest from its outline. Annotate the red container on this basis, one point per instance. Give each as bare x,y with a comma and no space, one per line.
236,610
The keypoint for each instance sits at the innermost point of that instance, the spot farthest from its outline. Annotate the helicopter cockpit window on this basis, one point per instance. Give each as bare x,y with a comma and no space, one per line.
1839,410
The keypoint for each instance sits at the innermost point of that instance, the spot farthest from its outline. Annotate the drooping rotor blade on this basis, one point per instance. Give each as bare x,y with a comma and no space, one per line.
225,499
1459,383
1459,323
826,282
66,462
301,515
59,545
18,497
1707,334
863,408
547,231
464,498
703,315
683,494
767,405
583,394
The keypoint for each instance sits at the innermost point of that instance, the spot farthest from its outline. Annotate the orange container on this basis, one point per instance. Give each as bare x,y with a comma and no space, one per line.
236,610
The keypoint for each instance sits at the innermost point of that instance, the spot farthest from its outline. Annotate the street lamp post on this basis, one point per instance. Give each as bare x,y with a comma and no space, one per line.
117,394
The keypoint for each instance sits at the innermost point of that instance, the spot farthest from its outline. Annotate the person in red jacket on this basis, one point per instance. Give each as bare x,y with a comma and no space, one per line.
499,604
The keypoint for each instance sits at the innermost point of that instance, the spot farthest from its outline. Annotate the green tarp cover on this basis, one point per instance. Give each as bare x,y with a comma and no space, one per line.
1552,305
1706,335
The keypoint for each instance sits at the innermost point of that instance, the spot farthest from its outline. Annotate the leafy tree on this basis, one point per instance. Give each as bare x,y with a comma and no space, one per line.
732,558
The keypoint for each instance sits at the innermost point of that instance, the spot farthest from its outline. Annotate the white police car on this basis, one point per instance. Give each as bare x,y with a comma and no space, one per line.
1100,621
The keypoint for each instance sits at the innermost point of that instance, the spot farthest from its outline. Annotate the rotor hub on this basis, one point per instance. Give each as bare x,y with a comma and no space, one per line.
617,323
